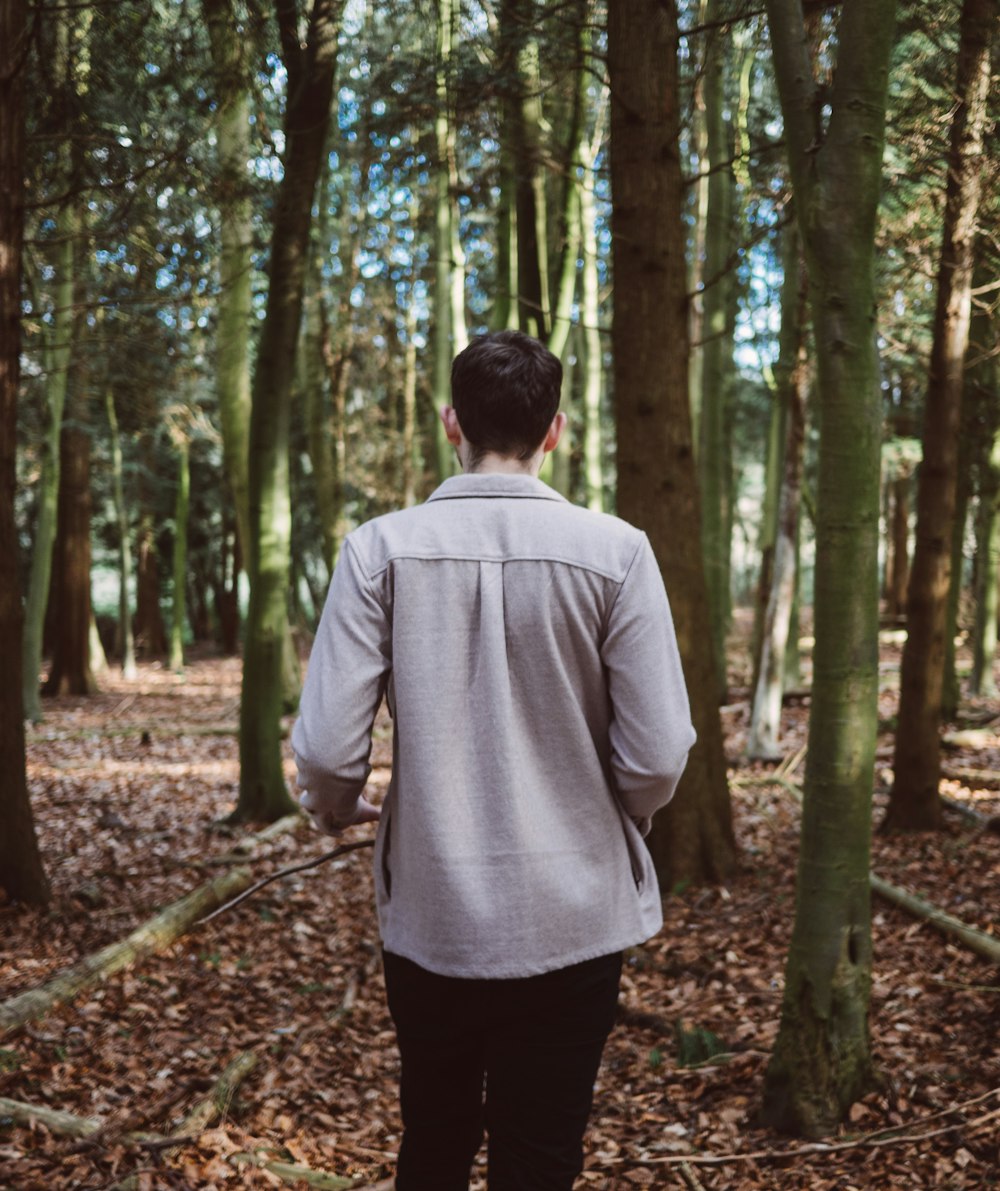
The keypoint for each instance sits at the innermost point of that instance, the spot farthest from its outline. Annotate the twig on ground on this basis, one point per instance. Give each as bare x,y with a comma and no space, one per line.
881,1137
287,872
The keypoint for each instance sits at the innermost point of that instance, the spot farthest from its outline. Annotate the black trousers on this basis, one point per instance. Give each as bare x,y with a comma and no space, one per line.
534,1044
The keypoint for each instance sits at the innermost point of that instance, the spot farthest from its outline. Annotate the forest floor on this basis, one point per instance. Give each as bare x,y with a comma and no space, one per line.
127,787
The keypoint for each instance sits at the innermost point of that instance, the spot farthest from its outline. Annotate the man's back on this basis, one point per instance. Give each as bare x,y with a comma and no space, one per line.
539,715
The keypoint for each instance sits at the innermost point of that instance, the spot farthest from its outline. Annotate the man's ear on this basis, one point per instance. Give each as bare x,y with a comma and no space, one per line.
452,430
555,432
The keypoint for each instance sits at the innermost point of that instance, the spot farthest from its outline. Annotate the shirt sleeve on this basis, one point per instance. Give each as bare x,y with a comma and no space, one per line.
650,732
346,679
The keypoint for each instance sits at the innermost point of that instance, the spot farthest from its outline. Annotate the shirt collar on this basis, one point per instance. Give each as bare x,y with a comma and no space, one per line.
494,484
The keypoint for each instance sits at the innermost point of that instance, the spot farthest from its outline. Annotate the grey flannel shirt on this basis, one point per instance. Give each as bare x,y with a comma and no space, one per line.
539,715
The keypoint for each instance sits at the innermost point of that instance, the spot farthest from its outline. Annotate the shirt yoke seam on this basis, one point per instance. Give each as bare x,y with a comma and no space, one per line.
435,556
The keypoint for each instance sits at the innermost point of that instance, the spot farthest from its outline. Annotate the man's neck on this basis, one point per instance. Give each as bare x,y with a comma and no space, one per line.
493,464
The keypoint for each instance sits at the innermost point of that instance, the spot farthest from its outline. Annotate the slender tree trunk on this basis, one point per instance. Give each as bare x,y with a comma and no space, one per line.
410,461
984,398
692,840
71,672
899,574
713,464
125,635
445,331
310,88
822,1061
913,802
590,311
233,199
765,722
59,361
988,553
22,876
178,617
150,633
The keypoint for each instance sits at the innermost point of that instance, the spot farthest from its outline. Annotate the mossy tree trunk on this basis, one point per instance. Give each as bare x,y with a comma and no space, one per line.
692,839
984,393
914,803
310,68
21,873
821,1061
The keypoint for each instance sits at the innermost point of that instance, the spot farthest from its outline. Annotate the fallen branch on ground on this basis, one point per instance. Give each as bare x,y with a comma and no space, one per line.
293,1173
977,940
151,937
342,850
986,822
879,1138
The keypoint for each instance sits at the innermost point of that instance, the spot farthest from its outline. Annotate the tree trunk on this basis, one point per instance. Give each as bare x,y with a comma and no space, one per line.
984,396
126,637
590,311
70,594
178,618
822,1061
692,840
765,723
22,876
899,574
151,636
521,132
447,333
233,199
713,463
913,802
310,88
58,364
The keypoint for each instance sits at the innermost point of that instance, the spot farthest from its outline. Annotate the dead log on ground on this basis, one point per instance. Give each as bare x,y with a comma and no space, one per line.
148,939
977,940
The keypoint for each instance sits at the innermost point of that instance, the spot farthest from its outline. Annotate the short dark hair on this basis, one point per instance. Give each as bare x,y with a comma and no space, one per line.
505,390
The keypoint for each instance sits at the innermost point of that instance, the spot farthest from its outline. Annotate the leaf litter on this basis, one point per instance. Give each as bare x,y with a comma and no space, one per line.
128,789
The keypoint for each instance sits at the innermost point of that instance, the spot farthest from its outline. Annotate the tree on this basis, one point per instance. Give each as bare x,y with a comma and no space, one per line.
765,720
913,802
21,872
717,344
692,840
70,48
822,1059
310,69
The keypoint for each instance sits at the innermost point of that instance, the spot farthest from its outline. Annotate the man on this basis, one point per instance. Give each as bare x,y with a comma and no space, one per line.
539,719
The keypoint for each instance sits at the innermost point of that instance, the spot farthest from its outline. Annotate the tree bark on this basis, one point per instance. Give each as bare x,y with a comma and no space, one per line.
126,637
232,197
717,346
692,840
21,873
311,70
58,364
913,801
765,722
70,673
178,617
822,1061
